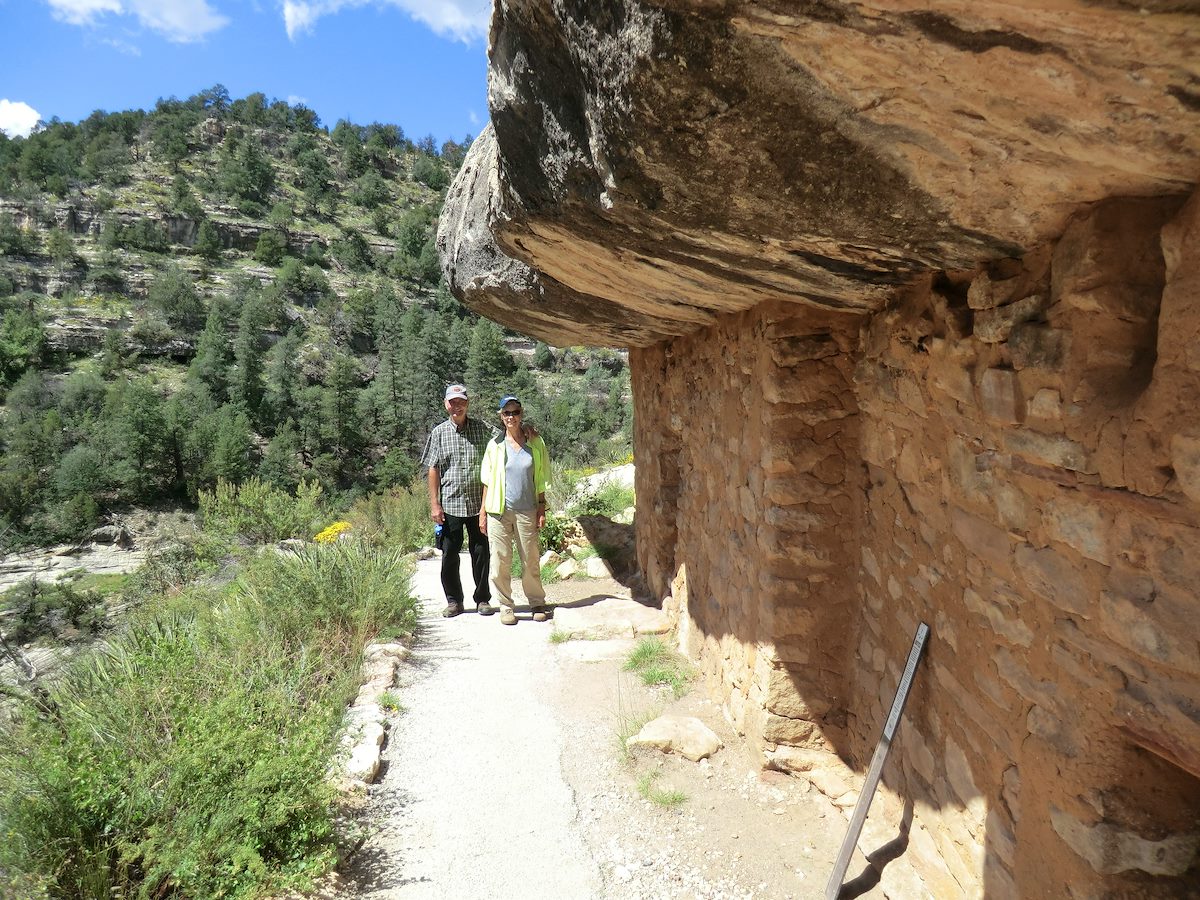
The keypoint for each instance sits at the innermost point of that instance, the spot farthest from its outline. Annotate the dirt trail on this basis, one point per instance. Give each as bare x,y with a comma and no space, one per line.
504,779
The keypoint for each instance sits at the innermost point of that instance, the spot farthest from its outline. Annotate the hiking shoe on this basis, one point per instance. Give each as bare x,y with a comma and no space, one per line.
507,616
485,608
540,614
452,609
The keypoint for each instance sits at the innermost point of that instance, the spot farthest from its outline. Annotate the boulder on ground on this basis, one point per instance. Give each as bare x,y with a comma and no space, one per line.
685,735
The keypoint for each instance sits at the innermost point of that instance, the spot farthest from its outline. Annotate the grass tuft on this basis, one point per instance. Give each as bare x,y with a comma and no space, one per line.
390,702
656,664
668,797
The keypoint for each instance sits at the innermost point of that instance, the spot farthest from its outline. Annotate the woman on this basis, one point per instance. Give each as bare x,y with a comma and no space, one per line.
514,474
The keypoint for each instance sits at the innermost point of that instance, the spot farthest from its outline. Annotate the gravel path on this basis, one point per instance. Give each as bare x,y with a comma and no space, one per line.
503,779
473,803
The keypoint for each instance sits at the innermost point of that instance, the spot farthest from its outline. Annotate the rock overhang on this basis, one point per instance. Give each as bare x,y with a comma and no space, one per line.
651,167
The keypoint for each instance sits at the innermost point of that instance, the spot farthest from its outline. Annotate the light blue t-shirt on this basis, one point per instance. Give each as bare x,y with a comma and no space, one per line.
519,493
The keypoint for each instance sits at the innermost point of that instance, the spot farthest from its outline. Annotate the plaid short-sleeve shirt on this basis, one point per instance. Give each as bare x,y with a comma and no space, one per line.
457,455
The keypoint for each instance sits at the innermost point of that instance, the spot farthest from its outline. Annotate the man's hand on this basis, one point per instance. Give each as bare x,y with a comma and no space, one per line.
437,514
483,523
541,518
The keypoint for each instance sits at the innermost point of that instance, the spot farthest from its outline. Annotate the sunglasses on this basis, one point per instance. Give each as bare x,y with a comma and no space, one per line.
510,412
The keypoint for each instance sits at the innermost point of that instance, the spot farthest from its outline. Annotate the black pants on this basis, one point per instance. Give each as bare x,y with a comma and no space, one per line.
477,546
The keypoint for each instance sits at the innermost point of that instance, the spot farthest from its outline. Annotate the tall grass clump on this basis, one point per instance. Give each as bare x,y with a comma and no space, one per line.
189,757
397,517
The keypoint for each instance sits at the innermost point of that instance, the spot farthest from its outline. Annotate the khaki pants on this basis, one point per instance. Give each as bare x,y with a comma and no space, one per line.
501,531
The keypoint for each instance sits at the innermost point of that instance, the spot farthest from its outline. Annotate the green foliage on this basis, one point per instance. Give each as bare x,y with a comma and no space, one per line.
143,234
246,173
398,517
431,173
15,240
657,664
300,283
354,586
260,513
490,366
543,357
668,797
60,246
173,293
183,201
271,248
168,570
57,609
390,702
208,242
556,531
369,191
352,251
22,340
608,499
396,469
189,755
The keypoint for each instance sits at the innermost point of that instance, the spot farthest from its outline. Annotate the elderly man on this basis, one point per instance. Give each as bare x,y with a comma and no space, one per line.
453,454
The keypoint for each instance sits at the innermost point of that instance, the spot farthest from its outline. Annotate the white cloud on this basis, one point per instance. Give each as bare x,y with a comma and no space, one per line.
122,46
82,12
472,117
182,21
18,119
463,20
293,100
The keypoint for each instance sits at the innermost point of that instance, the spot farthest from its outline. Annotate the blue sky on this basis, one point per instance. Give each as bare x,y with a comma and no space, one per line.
420,64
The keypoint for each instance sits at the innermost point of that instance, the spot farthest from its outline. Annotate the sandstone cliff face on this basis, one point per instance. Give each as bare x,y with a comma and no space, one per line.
658,165
912,296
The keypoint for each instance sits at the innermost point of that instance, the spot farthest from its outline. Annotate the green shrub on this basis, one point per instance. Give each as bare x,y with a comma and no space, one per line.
558,528
183,760
607,499
271,248
351,589
168,570
397,518
189,757
260,513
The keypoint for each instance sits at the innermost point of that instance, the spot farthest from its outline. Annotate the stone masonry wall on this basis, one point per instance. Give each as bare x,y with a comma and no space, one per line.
1013,457
745,528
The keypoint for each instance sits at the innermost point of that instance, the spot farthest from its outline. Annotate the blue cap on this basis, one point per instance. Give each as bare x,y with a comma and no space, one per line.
504,400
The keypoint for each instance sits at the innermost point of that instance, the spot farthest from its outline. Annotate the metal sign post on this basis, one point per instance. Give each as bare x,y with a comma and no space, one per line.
838,875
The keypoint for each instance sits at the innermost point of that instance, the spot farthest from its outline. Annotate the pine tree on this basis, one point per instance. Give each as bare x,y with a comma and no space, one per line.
283,381
281,465
246,377
210,365
138,439
230,458
208,242
489,364
340,409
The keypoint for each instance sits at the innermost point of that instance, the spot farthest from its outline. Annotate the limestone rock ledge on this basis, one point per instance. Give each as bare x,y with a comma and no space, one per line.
653,165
